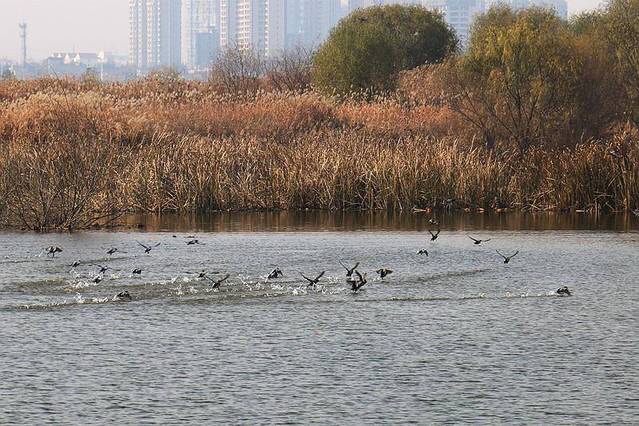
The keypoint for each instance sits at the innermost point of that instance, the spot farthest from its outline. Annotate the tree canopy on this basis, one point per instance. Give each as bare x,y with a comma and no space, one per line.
366,50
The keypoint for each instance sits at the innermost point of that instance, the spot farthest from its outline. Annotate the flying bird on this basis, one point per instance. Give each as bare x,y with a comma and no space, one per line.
97,279
349,271
103,269
124,295
434,236
275,273
423,251
193,242
359,283
476,241
383,272
75,264
217,283
147,249
564,291
313,282
53,250
507,258
137,271
111,251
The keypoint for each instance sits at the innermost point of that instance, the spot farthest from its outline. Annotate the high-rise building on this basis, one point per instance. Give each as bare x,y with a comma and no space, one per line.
253,24
310,21
138,35
155,39
199,32
459,14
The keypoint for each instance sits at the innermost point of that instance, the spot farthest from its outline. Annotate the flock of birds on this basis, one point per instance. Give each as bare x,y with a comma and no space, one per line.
354,277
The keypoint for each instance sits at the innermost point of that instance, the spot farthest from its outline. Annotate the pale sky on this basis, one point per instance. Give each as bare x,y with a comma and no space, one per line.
87,25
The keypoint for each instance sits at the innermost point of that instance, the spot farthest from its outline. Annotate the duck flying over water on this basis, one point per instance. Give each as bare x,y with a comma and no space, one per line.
564,291
383,272
97,279
434,236
103,269
75,264
423,251
52,250
137,271
349,271
275,273
123,296
507,258
193,242
478,242
111,251
359,283
315,281
147,249
217,283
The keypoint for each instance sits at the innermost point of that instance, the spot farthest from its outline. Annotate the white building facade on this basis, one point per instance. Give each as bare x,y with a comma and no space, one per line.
155,34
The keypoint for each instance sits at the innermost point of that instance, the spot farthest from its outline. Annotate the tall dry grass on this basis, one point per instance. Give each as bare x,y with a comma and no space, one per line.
75,153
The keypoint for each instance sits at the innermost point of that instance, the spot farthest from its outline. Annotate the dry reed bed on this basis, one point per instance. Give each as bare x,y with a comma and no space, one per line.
72,155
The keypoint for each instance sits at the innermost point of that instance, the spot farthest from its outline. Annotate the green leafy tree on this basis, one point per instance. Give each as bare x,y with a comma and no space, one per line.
368,49
622,32
518,77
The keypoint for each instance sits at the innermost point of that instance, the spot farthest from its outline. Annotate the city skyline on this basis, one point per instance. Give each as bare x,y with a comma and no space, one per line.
70,25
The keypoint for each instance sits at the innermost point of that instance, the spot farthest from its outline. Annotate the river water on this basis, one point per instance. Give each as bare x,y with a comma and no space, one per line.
456,336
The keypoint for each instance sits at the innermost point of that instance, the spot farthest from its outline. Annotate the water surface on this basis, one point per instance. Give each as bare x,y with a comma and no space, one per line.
457,336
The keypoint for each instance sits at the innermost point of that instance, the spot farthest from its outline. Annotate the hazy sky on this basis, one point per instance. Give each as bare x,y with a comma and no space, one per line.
87,25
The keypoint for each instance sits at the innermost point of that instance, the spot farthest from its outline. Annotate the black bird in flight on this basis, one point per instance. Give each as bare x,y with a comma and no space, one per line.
476,241
359,283
507,258
349,271
217,283
193,242
313,282
564,291
75,264
147,249
111,251
423,251
275,273
53,250
103,269
137,271
434,236
383,272
124,295
97,279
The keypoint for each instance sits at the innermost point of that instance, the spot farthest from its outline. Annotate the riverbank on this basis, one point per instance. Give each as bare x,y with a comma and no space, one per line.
73,154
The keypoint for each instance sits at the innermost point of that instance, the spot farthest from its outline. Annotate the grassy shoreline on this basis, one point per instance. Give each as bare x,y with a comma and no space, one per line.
74,153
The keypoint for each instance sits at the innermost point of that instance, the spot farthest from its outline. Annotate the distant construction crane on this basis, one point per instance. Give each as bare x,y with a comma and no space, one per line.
23,43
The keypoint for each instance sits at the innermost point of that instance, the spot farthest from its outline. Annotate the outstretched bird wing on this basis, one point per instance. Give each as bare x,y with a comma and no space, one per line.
472,238
516,253
156,244
485,241
306,278
344,266
146,247
498,252
320,276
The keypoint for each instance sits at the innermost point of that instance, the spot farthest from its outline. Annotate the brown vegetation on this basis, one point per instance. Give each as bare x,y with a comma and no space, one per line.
73,153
